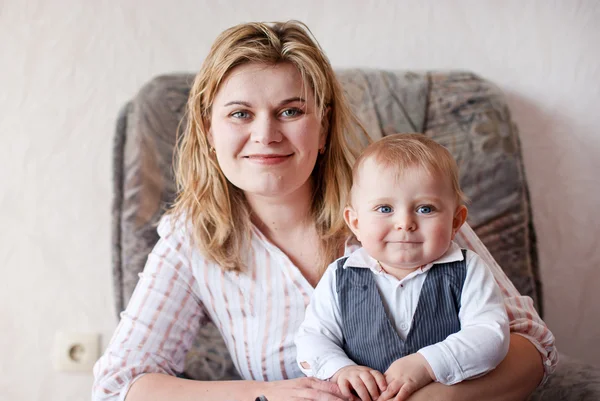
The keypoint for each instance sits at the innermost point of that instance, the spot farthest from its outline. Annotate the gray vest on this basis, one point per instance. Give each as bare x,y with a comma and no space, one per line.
371,339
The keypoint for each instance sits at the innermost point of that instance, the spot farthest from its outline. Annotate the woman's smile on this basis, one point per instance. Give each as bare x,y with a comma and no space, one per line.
268,159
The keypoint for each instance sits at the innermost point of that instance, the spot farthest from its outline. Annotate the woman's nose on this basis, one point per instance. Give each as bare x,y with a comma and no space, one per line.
265,130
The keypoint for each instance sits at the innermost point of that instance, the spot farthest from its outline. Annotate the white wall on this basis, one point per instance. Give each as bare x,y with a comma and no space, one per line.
67,66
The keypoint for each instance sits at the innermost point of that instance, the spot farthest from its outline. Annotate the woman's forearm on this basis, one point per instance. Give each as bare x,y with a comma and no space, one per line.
158,387
514,379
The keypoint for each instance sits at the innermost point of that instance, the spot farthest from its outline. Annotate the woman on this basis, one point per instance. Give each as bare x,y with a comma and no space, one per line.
263,169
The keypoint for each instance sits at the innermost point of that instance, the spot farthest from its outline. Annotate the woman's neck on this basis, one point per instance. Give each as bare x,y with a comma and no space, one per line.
278,217
286,222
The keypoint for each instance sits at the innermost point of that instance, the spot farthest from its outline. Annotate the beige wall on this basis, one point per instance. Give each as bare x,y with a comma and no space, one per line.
67,66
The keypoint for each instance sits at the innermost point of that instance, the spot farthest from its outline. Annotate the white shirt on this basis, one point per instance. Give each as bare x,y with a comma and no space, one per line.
480,345
258,312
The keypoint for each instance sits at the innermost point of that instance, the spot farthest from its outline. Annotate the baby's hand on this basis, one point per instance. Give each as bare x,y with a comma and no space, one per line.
405,376
367,383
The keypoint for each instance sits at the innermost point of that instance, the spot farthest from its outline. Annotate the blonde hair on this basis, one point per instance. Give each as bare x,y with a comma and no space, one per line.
401,151
215,209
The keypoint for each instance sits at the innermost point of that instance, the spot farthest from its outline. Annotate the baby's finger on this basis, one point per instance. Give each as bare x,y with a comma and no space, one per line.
379,379
360,389
370,384
345,387
405,391
390,392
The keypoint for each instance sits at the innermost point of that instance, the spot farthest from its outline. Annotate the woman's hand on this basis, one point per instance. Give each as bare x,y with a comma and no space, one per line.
305,389
367,383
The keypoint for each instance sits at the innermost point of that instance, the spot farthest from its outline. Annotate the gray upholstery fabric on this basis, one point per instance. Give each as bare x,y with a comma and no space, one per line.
458,109
572,381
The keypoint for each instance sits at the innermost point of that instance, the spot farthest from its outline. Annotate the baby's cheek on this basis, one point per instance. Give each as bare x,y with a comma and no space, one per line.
380,235
443,233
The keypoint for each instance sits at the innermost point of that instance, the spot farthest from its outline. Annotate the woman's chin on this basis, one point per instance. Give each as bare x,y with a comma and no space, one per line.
280,187
270,190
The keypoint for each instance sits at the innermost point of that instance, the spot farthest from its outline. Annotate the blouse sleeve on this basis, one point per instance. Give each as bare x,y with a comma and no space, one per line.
160,322
524,319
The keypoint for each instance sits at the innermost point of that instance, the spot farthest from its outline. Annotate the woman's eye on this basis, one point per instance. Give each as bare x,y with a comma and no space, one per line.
384,209
291,112
425,209
240,114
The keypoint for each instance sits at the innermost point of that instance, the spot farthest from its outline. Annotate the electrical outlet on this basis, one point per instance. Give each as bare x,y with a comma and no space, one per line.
76,352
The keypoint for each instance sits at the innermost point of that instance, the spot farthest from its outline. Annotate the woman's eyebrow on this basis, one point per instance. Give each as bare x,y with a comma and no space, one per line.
291,100
246,104
237,102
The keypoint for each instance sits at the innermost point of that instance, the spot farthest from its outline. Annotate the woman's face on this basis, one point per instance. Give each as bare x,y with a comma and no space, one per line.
266,130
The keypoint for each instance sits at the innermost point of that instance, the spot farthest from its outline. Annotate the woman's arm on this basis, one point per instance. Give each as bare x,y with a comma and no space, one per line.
514,379
160,323
523,317
157,387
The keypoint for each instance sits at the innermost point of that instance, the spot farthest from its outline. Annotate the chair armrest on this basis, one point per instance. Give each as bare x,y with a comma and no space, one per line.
572,381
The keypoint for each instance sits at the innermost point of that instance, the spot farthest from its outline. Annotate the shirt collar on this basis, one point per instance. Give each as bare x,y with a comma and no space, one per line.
360,258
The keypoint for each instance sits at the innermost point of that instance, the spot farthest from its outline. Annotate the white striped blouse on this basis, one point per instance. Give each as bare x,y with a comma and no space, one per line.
258,312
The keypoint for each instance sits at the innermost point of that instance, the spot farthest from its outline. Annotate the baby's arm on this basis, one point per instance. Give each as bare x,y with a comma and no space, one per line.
483,340
319,344
480,345
319,339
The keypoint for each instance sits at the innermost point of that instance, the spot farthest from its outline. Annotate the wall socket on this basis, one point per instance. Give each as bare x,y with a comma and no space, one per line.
76,352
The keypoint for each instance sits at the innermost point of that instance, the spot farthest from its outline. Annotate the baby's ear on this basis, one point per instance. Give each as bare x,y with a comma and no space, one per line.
351,218
460,216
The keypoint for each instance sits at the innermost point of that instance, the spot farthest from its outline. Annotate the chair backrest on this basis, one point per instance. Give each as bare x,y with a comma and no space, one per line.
463,112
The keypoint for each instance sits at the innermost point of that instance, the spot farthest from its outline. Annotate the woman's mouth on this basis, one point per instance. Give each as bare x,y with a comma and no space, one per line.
268,159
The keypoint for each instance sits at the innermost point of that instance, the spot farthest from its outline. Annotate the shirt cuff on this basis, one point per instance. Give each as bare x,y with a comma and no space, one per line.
325,368
128,387
549,356
442,363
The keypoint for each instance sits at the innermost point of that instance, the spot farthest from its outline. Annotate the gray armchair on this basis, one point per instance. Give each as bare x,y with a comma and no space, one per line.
458,109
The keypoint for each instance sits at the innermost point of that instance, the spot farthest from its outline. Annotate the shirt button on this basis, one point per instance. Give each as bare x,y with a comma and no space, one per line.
548,363
404,326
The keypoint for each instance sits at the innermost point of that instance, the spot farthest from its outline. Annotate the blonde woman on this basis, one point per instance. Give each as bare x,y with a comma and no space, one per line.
263,170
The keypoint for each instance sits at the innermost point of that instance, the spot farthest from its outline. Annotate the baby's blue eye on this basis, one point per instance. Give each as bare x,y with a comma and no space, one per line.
384,209
424,209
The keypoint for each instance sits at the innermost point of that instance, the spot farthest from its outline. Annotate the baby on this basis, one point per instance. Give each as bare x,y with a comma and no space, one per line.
409,307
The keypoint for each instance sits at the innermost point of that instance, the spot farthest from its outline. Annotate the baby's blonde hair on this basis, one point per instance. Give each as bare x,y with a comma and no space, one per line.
217,211
402,151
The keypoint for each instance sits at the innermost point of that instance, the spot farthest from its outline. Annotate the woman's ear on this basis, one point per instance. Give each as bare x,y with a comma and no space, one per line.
209,138
351,218
460,216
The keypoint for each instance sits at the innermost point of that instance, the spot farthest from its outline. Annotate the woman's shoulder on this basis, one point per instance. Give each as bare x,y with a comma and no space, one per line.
175,231
171,225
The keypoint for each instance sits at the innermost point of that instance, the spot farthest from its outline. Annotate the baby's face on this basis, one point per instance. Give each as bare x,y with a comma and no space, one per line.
403,220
